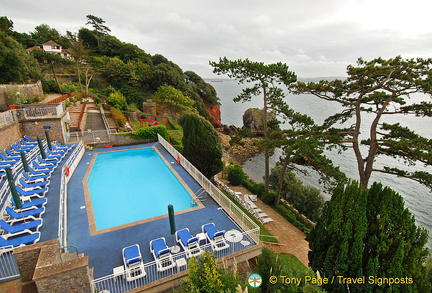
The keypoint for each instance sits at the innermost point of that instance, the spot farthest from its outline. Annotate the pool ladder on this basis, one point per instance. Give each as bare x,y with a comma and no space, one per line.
200,194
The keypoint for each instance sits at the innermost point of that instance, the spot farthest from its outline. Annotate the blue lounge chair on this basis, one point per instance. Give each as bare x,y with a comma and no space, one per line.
35,177
52,155
39,172
7,164
8,159
59,150
35,203
189,243
12,154
27,185
162,254
29,139
214,236
44,167
33,214
43,162
63,145
27,143
18,148
20,228
35,192
133,262
21,240
48,159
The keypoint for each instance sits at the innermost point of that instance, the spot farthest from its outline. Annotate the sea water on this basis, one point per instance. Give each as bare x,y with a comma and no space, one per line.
417,197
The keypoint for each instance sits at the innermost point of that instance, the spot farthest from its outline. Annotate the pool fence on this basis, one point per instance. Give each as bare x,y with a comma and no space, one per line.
245,222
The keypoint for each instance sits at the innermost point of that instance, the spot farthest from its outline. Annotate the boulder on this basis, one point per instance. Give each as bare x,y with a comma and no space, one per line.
253,119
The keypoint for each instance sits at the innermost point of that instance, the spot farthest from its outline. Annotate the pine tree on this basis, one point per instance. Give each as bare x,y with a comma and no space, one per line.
369,233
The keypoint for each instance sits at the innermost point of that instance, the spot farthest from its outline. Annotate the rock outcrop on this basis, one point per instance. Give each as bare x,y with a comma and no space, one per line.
215,112
253,119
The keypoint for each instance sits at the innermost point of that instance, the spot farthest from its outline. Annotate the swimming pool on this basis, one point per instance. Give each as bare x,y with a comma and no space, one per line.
132,185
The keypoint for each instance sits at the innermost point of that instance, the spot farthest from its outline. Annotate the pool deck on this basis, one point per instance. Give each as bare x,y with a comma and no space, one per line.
105,249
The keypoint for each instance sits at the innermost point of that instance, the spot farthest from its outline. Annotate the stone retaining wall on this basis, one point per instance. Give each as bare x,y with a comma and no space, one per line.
30,91
9,134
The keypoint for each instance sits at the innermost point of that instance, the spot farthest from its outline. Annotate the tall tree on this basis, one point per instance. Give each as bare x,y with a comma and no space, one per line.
15,64
302,143
52,62
6,25
265,80
369,233
77,52
380,88
98,24
201,144
173,99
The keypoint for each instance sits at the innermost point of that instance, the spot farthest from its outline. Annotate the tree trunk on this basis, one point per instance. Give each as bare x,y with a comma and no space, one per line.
266,154
280,182
56,79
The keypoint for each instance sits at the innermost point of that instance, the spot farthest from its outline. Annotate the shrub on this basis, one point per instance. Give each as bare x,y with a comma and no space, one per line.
150,132
236,175
269,197
118,116
287,214
255,188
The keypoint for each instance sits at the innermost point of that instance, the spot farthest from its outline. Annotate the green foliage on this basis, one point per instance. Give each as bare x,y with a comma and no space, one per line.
206,276
287,214
369,233
201,144
15,64
269,197
173,100
149,132
377,88
306,199
118,101
236,175
272,264
255,188
118,116
265,81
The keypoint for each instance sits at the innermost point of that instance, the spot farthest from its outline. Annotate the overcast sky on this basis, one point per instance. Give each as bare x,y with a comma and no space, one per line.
316,38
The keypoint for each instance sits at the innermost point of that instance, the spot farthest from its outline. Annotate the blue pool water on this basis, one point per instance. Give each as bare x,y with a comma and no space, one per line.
133,185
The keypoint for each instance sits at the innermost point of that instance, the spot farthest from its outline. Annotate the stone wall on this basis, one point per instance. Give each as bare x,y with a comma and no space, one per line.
42,264
9,134
34,128
30,91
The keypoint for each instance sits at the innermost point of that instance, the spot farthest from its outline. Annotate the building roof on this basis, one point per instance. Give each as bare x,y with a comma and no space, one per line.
51,43
34,48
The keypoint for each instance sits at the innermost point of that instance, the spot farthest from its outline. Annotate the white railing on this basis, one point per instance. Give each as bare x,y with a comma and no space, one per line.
70,165
116,282
230,208
9,268
6,117
90,136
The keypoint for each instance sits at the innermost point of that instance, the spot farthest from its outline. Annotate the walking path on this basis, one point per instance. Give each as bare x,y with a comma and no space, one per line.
291,239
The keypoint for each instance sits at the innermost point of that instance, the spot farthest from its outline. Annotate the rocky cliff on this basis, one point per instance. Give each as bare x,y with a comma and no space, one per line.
216,114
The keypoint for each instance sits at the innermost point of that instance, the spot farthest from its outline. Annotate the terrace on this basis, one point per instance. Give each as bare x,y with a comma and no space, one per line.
104,249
